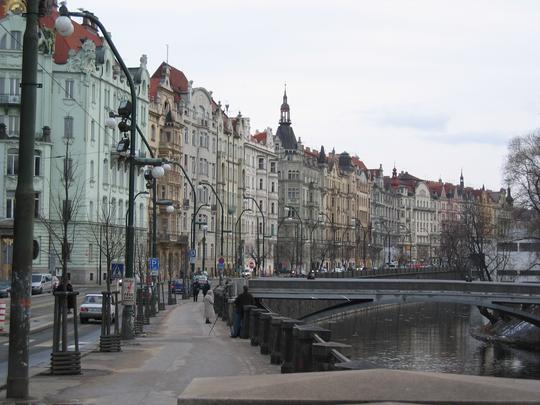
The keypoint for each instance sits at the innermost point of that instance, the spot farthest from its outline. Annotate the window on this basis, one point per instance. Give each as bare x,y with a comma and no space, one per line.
12,124
3,42
163,192
91,211
272,167
293,193
273,187
14,86
261,163
90,254
91,170
260,184
10,204
105,171
37,163
153,133
272,209
186,136
13,161
69,84
93,93
93,131
67,210
68,127
16,42
36,205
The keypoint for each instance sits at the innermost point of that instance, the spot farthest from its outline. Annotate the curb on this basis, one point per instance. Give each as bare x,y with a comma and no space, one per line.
39,328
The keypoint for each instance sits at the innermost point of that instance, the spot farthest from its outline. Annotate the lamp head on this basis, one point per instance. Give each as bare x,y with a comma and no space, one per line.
157,172
64,26
169,209
110,122
200,186
167,167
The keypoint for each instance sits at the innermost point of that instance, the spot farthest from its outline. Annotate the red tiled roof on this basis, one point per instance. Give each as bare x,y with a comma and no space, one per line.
311,153
178,81
358,163
74,41
260,137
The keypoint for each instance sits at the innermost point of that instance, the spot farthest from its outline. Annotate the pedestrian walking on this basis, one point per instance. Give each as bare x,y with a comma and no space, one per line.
243,299
196,287
209,312
205,288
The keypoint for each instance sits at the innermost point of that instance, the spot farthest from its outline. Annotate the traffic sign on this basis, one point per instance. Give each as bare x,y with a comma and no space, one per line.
117,271
192,255
128,291
153,264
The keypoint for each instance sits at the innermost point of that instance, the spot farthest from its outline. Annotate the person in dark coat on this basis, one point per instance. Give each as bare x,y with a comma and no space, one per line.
70,298
243,299
196,287
205,288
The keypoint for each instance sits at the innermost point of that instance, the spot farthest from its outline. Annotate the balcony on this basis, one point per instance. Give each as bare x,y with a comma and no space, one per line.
10,99
172,237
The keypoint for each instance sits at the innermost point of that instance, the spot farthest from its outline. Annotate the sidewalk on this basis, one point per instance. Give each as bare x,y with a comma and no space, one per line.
156,368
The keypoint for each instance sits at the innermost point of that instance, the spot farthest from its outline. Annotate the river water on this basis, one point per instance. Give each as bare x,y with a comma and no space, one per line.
428,337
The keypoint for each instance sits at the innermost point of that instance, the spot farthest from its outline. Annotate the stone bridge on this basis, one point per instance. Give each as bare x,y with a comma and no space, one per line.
316,299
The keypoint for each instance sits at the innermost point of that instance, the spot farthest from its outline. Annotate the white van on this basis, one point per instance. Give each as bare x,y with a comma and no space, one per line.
41,282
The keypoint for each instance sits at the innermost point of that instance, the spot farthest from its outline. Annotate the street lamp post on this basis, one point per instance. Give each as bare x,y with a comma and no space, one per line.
299,249
65,28
205,228
262,259
18,360
204,183
320,219
325,215
194,193
236,259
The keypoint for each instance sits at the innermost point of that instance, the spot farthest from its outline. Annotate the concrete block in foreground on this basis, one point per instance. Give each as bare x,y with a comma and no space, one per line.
360,386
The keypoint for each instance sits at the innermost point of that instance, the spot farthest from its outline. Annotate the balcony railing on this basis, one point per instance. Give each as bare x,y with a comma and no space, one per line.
10,99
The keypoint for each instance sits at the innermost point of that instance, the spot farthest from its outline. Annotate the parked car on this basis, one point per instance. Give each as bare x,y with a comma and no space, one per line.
41,282
5,287
92,306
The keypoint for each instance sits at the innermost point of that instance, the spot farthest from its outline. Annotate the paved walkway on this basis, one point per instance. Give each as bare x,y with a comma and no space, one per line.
156,368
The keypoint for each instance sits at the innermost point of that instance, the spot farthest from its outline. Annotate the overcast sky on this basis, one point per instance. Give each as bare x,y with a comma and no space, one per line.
430,86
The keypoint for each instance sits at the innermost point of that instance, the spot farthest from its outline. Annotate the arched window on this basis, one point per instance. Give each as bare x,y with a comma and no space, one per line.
105,171
91,211
91,170
104,208
141,215
153,132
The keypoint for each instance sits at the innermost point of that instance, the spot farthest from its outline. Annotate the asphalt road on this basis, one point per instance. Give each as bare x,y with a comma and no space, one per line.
40,343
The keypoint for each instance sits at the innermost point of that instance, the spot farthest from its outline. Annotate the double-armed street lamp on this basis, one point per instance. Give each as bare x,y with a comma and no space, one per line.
299,236
203,184
237,258
128,111
259,258
333,224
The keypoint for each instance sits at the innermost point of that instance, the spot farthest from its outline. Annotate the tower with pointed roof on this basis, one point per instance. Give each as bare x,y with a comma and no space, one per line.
285,133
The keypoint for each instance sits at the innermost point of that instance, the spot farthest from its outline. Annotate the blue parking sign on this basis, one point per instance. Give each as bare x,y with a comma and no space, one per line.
153,264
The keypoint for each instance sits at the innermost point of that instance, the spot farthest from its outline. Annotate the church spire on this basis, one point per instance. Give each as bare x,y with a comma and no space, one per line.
461,182
285,110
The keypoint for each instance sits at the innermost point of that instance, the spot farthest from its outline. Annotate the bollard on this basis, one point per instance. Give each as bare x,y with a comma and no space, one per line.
275,334
228,315
2,315
244,331
264,332
254,325
302,341
286,344
322,357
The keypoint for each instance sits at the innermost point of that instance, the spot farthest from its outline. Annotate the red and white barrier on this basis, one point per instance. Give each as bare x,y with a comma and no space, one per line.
2,315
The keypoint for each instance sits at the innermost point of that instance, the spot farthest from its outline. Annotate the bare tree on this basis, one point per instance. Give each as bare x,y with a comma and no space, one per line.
108,234
522,171
65,206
